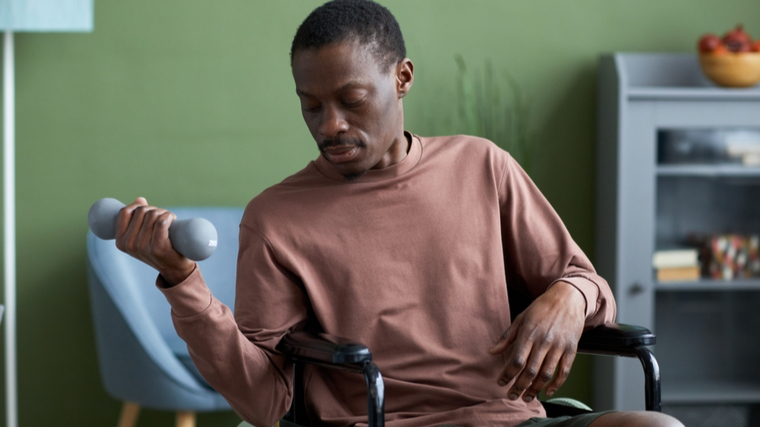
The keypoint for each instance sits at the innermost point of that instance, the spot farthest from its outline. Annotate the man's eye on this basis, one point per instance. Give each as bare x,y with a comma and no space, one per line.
311,108
353,103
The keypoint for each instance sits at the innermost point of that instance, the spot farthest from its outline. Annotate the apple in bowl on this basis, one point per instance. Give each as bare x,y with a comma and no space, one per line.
732,60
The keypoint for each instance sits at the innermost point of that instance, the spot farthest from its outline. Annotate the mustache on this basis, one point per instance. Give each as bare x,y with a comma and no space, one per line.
340,142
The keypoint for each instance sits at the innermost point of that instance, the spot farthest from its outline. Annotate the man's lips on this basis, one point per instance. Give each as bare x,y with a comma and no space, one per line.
340,153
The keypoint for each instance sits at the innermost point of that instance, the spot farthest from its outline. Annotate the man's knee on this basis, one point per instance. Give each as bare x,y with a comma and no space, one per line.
636,419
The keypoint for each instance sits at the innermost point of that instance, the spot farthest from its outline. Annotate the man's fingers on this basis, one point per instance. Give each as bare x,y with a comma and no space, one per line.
520,348
135,228
563,370
542,343
135,235
126,228
143,233
527,376
147,230
534,362
163,221
544,374
124,219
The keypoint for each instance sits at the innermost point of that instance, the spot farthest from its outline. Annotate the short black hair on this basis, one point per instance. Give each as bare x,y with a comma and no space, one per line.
369,23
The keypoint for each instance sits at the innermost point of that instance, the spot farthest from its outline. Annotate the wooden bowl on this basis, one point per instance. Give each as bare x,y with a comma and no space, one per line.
731,69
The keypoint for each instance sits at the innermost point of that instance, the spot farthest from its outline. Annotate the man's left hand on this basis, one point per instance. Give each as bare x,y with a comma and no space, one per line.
542,340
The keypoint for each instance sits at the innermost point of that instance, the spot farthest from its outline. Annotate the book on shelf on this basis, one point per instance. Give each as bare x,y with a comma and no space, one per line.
675,258
678,274
680,264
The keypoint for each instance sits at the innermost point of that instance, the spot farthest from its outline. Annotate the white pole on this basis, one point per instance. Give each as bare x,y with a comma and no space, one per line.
9,208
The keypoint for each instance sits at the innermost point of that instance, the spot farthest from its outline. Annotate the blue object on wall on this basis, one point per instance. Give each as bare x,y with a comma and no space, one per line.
46,15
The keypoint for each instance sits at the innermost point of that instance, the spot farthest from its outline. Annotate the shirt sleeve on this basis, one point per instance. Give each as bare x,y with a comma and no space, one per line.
236,353
539,251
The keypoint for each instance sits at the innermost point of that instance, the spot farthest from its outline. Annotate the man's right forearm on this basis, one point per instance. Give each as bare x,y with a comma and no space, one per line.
254,381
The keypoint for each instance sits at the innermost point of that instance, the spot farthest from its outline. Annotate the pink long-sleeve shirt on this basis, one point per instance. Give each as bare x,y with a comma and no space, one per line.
413,261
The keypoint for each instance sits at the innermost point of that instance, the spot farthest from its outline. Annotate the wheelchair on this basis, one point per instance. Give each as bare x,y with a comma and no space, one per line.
333,352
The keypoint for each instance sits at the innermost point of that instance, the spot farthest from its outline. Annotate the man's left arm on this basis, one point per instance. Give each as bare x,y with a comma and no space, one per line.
541,259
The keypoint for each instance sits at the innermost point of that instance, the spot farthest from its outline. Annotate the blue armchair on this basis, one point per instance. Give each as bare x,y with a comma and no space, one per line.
143,362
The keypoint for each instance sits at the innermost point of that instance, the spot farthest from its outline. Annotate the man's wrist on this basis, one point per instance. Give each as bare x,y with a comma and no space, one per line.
570,291
175,277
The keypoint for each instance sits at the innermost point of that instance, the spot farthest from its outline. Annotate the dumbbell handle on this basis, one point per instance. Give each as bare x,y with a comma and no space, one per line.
194,238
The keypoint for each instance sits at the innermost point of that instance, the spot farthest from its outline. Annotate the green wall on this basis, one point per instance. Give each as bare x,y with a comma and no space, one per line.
192,103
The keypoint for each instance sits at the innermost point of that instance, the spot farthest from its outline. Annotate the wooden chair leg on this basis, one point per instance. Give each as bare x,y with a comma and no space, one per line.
185,419
129,413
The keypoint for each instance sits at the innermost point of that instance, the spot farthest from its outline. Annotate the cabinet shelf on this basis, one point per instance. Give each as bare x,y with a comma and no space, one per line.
711,285
704,92
709,171
710,391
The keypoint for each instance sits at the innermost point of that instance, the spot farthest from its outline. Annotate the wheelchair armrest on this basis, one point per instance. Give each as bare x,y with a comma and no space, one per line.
335,353
323,349
615,338
628,341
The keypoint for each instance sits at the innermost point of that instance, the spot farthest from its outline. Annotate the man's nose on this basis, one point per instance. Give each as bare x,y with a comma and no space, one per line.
333,123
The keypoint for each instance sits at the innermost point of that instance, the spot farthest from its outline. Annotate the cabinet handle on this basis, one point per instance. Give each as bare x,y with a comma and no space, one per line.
636,288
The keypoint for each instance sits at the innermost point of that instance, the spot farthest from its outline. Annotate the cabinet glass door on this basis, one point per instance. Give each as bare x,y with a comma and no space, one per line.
708,205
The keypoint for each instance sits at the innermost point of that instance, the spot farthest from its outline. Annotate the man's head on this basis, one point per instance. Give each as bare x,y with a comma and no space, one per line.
363,21
351,72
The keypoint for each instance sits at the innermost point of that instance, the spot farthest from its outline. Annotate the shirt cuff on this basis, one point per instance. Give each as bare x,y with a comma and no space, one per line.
189,297
588,289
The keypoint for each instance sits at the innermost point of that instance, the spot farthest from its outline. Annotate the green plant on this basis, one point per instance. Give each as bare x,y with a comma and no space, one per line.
495,109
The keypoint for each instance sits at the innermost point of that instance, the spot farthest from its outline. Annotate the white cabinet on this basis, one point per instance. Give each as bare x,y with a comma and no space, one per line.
649,198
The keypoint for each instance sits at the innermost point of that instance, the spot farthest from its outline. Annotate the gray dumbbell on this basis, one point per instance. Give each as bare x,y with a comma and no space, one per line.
194,238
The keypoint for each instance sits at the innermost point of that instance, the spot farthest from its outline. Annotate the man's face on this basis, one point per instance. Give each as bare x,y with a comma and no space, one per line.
351,103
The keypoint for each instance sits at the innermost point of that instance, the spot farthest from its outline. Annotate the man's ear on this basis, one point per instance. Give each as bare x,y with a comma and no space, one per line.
404,77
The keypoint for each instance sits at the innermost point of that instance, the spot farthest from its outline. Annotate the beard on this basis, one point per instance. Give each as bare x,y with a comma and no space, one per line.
340,142
344,142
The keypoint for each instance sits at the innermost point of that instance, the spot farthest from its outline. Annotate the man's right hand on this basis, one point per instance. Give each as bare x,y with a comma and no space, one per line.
142,231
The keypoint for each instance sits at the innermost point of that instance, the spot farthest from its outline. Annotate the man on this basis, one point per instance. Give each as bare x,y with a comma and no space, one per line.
403,243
